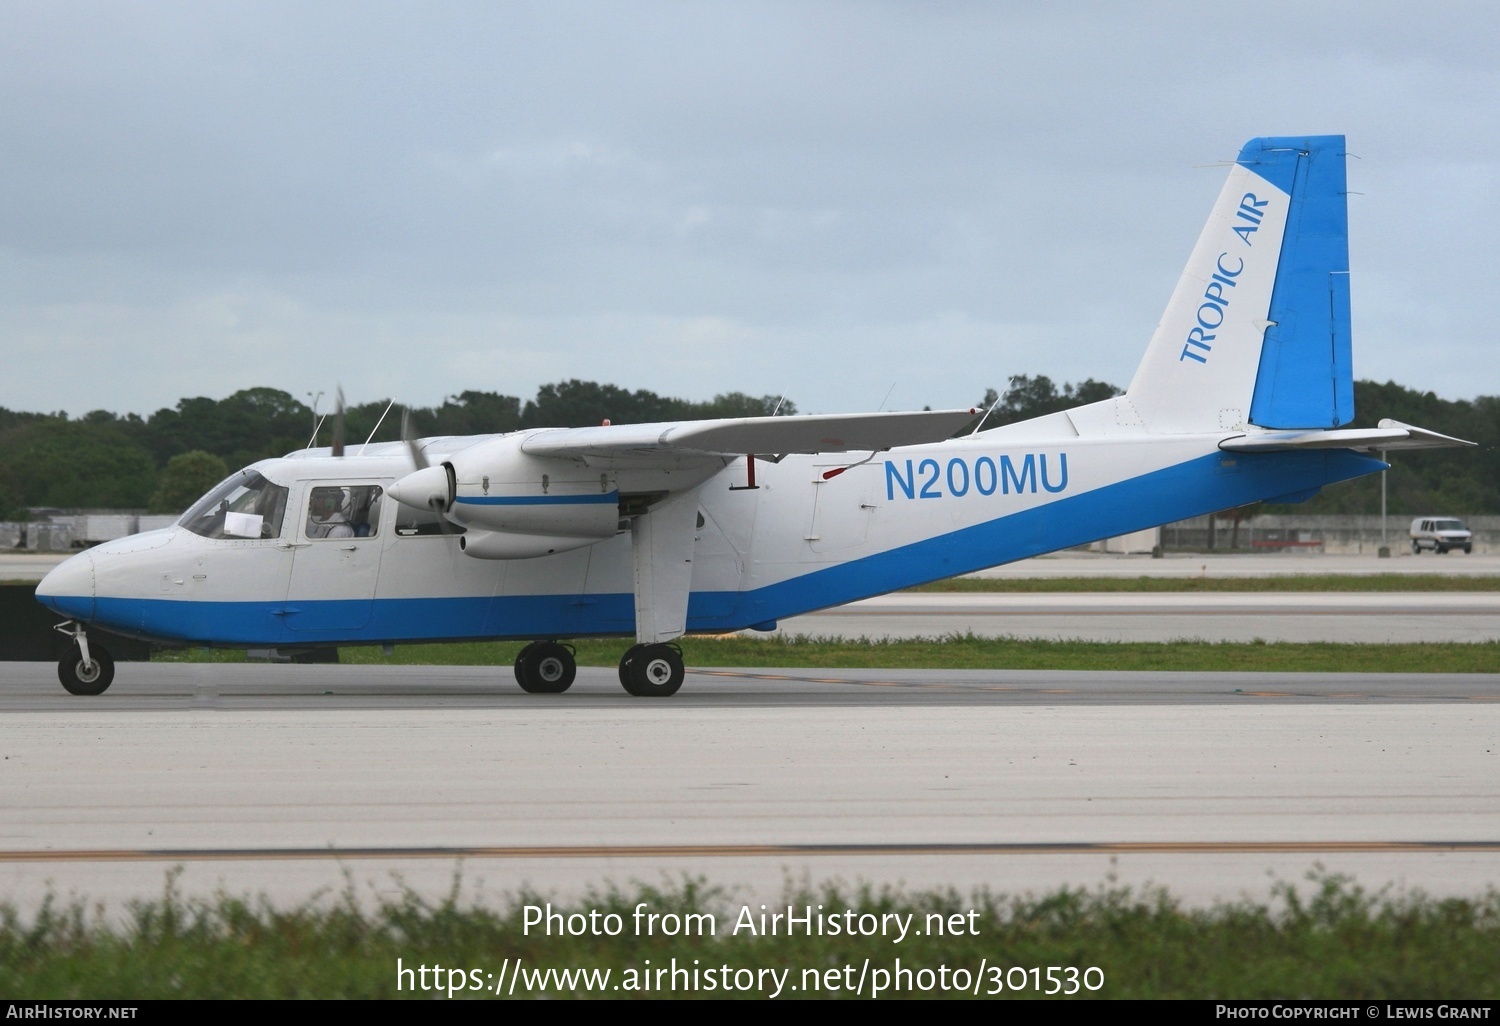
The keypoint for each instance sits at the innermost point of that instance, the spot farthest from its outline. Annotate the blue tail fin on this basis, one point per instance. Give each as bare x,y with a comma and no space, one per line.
1306,379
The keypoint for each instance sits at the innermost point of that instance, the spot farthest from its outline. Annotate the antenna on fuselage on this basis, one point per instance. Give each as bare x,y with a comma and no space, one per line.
376,428
987,414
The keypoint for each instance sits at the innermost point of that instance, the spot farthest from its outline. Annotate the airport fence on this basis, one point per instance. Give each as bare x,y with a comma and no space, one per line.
1349,534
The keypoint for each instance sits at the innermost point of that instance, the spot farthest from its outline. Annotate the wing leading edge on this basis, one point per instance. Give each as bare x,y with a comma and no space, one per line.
817,433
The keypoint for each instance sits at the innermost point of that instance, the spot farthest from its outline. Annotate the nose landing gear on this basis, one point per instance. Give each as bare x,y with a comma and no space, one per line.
84,669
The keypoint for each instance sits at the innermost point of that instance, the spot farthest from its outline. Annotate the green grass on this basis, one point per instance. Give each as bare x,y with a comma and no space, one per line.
1296,582
960,652
1328,939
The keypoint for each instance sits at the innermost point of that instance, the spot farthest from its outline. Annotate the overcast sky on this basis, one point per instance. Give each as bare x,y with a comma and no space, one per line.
819,198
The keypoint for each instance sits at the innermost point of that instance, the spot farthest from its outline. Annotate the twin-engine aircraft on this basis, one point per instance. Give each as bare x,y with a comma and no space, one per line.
660,530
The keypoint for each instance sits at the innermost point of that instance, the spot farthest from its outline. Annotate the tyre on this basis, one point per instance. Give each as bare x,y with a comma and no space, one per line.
630,653
80,679
546,668
521,658
1416,548
655,671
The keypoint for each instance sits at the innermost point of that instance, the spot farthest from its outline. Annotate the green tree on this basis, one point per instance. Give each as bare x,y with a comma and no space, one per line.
77,464
187,476
738,404
577,403
1027,397
249,425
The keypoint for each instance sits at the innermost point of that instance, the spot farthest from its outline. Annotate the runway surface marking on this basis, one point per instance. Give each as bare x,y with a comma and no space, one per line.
749,850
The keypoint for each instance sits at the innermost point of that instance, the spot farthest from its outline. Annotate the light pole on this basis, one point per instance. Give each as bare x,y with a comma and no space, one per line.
1385,549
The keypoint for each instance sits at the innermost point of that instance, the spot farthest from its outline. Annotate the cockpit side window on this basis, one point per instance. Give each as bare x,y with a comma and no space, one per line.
244,505
343,511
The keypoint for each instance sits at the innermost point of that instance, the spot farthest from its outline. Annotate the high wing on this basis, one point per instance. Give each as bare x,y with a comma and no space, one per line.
822,433
1389,435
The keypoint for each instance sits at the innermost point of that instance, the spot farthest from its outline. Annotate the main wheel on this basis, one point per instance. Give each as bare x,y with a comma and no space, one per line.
652,671
545,668
79,678
625,660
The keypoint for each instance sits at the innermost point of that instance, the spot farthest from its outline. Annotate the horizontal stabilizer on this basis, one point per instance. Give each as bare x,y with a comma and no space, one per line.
858,432
1390,435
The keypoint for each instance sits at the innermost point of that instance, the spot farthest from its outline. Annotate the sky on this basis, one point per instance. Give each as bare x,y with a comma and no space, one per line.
852,204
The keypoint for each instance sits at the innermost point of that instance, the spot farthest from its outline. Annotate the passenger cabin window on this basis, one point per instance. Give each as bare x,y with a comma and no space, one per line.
343,511
244,505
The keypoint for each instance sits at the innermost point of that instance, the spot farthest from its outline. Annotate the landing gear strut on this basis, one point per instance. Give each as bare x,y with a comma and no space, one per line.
652,671
84,669
545,668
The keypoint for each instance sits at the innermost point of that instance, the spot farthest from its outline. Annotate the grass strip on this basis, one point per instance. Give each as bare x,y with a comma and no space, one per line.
959,652
1330,939
1294,582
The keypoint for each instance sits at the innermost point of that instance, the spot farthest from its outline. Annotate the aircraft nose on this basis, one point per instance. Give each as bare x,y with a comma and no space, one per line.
68,588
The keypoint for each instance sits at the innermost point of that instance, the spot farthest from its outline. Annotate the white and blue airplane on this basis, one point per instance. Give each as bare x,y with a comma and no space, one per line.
660,530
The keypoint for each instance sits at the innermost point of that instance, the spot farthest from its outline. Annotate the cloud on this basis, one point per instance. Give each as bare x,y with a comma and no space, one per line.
699,198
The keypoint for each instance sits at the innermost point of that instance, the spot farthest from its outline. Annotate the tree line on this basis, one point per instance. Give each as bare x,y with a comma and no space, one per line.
164,461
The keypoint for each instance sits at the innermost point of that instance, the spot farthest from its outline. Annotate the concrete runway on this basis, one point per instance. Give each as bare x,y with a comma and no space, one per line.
282,779
1363,617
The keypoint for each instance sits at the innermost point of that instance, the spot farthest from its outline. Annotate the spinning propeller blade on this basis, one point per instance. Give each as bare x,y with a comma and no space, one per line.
338,424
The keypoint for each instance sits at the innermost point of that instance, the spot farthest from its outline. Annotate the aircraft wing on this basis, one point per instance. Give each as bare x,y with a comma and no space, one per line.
1390,434
860,432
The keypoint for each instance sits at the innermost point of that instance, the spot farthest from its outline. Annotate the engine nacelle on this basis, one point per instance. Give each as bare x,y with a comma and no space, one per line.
509,545
494,487
499,488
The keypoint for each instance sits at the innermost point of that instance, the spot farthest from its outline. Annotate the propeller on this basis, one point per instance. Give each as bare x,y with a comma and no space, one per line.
338,424
427,487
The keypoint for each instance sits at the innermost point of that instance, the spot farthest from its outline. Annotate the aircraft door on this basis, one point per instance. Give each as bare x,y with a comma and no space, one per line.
337,562
842,508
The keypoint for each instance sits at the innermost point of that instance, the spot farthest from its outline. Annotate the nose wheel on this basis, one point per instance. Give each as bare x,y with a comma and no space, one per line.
652,671
85,669
545,668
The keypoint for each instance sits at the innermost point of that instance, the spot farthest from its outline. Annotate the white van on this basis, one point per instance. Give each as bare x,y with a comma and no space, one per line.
1440,534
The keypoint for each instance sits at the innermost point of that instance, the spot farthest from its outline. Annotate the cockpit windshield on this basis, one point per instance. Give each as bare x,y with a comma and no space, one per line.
244,505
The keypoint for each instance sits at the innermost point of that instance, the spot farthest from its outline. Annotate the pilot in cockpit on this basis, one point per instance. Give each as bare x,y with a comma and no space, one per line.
328,514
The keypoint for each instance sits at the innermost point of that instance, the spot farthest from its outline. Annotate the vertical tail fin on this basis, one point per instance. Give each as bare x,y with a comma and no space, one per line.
1257,330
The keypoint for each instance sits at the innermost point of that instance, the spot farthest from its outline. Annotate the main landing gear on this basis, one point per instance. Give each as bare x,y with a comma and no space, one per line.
652,671
84,669
548,668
